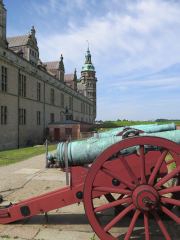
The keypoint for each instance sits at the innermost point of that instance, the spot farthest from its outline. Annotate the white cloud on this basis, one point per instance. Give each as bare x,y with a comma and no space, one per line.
124,42
165,83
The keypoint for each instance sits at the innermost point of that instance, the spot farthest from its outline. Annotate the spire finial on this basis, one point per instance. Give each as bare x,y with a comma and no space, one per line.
33,31
88,44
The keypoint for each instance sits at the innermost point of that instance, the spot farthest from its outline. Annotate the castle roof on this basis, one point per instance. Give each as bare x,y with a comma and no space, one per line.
68,77
52,65
17,41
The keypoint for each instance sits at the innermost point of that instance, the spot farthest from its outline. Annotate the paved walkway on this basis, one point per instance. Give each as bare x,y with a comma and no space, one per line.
69,223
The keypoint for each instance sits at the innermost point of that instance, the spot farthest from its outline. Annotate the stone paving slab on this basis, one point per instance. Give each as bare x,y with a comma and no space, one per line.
24,232
50,175
2,228
28,170
67,235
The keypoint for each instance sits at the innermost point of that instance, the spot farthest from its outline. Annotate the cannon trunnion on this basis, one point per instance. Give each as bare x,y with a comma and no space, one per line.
135,184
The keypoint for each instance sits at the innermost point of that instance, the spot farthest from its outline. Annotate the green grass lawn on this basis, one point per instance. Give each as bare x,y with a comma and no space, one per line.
18,153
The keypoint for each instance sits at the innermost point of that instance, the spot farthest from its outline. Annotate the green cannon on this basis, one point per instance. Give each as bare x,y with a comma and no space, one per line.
120,129
150,128
85,152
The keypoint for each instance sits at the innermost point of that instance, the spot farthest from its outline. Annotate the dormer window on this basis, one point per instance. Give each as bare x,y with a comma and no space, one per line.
20,53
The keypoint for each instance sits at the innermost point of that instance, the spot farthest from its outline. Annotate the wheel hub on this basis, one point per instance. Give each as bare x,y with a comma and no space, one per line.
145,197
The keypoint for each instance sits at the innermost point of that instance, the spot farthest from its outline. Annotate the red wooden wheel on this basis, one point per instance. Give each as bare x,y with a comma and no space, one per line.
141,180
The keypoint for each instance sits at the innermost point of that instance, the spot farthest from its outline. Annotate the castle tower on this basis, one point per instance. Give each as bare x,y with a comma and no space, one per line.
2,24
88,78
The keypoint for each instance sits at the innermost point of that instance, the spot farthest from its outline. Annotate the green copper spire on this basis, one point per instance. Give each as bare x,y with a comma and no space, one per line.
88,66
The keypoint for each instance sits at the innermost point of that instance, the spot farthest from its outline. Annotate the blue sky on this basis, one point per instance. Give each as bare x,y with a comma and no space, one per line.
135,48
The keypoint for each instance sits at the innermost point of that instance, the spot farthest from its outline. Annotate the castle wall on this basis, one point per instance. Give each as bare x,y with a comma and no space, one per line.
31,132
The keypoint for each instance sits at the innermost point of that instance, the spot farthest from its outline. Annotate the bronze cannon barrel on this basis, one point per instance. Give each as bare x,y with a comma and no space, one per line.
85,152
150,128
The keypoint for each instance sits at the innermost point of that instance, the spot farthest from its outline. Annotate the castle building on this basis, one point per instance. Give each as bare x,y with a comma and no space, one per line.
34,94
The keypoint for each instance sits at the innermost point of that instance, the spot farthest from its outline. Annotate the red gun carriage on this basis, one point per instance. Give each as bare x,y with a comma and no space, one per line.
134,184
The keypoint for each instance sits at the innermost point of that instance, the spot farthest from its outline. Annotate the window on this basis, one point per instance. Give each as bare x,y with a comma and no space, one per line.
51,117
86,109
22,85
76,118
90,84
35,55
22,116
62,100
38,92
81,107
52,96
89,110
38,117
30,51
68,132
81,119
3,115
70,103
3,79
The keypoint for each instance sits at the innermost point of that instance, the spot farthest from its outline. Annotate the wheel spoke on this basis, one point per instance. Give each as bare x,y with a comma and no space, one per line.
161,225
126,165
169,190
131,226
170,161
116,176
112,204
142,159
169,213
174,155
118,217
113,190
146,225
170,200
167,177
157,167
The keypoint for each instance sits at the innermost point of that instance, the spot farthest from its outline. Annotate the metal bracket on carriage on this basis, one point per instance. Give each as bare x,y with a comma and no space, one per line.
131,132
